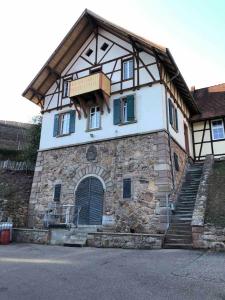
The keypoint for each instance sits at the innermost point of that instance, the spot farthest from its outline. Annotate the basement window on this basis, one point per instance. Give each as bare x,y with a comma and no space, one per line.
218,130
127,188
176,162
89,52
104,46
57,192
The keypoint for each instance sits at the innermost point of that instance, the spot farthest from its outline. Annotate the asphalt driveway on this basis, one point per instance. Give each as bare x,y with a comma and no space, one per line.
30,272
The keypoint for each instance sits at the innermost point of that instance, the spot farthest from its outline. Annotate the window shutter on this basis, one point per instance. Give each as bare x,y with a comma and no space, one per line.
57,192
127,188
72,121
171,112
130,108
56,125
116,112
176,120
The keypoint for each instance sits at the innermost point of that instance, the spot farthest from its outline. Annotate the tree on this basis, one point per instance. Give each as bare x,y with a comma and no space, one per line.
33,140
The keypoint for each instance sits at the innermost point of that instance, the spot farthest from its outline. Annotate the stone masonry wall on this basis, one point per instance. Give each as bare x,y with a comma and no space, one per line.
15,187
143,158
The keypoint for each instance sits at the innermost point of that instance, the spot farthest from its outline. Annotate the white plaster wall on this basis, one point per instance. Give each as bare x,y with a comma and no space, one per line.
149,106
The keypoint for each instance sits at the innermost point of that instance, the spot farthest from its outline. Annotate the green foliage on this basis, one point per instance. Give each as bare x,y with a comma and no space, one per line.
16,155
33,140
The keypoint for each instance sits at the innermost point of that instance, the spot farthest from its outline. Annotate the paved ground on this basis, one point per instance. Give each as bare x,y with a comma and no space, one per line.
51,272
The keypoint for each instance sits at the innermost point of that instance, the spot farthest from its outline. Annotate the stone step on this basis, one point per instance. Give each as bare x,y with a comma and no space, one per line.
178,239
179,231
177,246
75,241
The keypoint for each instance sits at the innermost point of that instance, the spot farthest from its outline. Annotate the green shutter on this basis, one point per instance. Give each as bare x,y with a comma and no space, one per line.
72,121
116,111
130,108
171,111
176,120
56,125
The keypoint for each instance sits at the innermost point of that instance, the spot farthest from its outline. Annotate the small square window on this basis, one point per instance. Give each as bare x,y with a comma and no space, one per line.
104,46
127,188
128,71
89,52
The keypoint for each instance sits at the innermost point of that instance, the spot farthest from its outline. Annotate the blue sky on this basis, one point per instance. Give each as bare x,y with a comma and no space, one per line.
30,30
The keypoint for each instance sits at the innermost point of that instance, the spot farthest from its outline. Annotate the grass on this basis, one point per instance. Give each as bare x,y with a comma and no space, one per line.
215,210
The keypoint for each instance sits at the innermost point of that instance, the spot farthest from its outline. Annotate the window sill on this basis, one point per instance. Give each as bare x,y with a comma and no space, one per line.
62,135
127,123
93,129
221,139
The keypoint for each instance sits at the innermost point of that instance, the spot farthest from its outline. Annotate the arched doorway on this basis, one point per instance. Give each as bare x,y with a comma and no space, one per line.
89,197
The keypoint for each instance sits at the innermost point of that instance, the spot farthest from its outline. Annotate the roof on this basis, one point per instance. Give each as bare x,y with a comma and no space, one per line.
75,38
211,102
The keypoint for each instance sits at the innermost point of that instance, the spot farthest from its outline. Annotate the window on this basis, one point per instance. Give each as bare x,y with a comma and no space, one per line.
176,162
124,110
94,117
64,123
127,188
173,117
128,71
218,130
89,52
104,46
57,192
65,91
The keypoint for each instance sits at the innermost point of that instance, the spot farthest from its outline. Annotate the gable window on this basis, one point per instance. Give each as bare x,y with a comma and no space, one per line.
124,110
64,123
128,69
126,188
66,85
173,117
57,192
94,117
89,52
218,130
104,46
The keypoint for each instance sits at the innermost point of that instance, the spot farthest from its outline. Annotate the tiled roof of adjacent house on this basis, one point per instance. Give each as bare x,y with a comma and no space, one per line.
210,101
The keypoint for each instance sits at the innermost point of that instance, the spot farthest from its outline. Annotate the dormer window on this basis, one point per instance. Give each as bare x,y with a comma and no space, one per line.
128,69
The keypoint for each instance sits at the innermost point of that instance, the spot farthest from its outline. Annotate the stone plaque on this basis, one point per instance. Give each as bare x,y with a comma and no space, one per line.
91,153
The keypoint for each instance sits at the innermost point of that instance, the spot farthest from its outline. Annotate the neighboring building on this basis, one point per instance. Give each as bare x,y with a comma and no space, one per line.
208,126
116,132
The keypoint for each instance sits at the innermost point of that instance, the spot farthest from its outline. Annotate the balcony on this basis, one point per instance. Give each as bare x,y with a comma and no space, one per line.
89,91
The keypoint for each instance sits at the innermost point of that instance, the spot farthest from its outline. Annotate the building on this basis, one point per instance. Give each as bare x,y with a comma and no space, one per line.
208,126
116,133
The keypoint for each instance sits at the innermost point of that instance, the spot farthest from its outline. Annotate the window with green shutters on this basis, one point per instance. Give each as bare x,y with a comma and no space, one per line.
64,123
124,110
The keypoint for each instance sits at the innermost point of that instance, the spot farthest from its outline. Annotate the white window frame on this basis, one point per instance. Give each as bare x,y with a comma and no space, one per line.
94,118
124,110
213,127
128,69
66,86
64,123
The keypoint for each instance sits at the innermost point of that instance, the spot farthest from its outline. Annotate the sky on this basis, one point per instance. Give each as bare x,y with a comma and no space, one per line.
30,30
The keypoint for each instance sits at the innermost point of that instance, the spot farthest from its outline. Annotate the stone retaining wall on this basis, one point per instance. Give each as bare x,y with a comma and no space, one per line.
125,240
25,235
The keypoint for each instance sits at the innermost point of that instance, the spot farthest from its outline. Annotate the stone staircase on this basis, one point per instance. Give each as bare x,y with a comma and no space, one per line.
179,234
